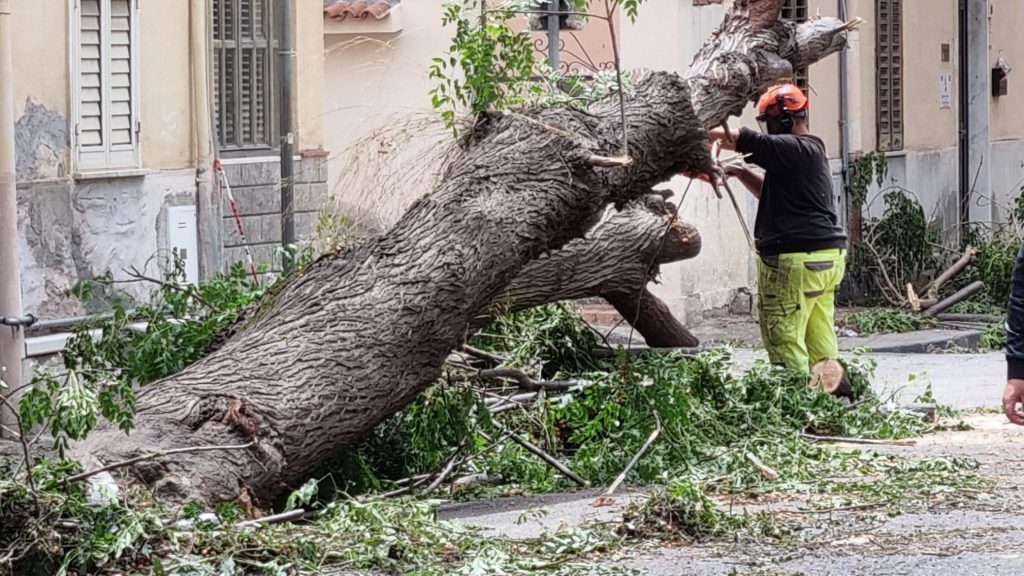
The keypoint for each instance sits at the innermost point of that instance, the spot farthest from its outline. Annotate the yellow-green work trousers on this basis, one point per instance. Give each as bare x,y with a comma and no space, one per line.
796,305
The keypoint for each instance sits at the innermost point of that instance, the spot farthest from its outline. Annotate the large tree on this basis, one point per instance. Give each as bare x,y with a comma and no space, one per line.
515,221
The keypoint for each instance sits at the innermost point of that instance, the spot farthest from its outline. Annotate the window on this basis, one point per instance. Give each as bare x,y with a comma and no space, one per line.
105,76
796,11
889,48
243,70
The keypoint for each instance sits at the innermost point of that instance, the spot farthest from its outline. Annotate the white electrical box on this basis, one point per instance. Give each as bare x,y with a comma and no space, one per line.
181,238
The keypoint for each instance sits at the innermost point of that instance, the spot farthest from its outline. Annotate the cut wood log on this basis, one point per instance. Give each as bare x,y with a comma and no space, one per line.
961,295
358,334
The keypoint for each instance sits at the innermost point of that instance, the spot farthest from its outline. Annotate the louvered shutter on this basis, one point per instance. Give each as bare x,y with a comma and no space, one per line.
91,88
106,92
889,48
243,74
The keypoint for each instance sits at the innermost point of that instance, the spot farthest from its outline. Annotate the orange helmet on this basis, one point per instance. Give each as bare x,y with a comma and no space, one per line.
789,96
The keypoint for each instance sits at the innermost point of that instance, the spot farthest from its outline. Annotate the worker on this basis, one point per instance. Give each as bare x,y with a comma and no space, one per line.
1013,395
801,246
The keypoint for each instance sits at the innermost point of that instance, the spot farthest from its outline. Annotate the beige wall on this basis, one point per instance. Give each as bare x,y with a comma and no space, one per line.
40,54
926,26
1007,120
309,74
373,80
165,93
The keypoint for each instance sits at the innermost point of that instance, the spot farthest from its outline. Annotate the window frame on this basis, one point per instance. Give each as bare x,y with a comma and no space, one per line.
799,13
218,63
105,157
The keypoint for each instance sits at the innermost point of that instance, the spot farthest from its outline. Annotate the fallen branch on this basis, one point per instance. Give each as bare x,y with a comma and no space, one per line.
971,318
636,457
453,462
867,441
961,295
273,518
952,272
482,354
144,457
549,459
766,471
24,450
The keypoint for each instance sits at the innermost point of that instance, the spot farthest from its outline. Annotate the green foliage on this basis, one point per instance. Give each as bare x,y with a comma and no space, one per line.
131,346
887,320
993,337
682,508
903,238
491,66
549,339
868,168
488,65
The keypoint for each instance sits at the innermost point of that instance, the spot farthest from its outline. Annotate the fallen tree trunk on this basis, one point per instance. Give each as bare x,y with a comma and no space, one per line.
358,334
615,261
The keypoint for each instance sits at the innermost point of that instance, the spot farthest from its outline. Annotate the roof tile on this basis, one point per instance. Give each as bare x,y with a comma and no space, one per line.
359,9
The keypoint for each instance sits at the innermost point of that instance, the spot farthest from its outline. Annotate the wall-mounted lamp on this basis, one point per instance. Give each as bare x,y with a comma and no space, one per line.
1000,84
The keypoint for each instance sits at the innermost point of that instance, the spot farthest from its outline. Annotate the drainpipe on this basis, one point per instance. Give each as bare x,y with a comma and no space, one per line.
208,203
974,112
287,137
12,338
553,33
844,112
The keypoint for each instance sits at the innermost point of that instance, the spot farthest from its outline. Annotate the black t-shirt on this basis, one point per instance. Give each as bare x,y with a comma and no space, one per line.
797,212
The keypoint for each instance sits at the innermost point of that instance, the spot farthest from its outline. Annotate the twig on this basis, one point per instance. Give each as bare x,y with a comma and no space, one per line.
450,467
549,459
636,457
482,354
609,162
25,452
867,441
618,78
524,381
134,273
739,214
765,470
840,509
274,518
885,275
144,457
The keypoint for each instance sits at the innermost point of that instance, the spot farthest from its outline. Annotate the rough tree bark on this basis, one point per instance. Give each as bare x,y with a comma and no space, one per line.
615,260
358,334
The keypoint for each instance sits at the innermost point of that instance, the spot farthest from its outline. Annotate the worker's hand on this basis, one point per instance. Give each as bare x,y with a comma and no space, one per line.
702,177
736,170
1013,395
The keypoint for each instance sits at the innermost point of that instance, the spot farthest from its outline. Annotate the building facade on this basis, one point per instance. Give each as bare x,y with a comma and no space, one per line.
122,106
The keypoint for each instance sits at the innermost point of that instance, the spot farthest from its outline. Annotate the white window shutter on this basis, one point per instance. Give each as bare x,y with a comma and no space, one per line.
107,85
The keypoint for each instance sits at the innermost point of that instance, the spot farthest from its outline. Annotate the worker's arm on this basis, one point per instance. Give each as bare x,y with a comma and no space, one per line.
1014,392
728,139
751,179
784,154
